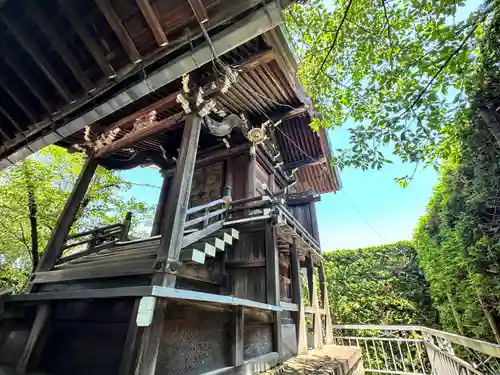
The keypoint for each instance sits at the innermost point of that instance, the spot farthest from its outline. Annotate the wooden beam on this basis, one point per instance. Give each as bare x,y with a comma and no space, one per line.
299,316
119,30
20,74
63,225
250,189
199,10
138,135
38,57
53,37
178,201
18,102
171,240
11,120
86,38
273,282
238,345
152,19
36,333
128,353
150,341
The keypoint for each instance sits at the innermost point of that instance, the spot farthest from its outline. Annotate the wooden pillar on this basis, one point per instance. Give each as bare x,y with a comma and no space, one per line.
250,190
237,325
326,305
177,203
160,208
317,329
63,226
273,283
299,316
172,233
32,350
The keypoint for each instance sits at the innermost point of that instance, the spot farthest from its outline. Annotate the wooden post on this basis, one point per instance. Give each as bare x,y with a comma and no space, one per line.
172,234
178,201
38,330
272,282
299,316
160,208
238,354
63,226
317,329
126,227
251,173
326,305
127,360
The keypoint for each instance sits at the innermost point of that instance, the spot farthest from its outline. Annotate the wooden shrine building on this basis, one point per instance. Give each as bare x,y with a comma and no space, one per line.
206,90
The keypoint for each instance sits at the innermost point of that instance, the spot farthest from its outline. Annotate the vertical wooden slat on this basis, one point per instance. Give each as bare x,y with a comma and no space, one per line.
237,325
273,282
67,216
18,101
37,331
86,38
152,19
38,57
31,88
119,30
53,37
300,318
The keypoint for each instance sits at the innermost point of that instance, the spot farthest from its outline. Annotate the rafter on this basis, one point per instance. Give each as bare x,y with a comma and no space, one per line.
119,30
37,56
53,37
87,39
18,102
20,74
11,120
152,19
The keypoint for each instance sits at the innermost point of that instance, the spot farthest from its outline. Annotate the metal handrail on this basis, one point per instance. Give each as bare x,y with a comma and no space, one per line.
413,349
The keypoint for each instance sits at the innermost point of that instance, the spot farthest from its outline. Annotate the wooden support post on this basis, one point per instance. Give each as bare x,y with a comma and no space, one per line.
238,354
251,173
310,278
160,208
273,282
129,348
326,305
61,230
38,330
317,329
147,354
172,234
178,201
299,316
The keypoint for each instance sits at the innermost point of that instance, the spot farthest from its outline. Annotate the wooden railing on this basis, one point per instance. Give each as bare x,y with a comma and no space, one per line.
88,242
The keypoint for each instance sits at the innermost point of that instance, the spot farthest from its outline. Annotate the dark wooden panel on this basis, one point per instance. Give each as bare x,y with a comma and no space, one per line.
257,340
194,341
13,336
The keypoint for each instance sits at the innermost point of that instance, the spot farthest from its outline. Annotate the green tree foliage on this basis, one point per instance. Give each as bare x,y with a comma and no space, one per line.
399,68
458,240
378,285
33,194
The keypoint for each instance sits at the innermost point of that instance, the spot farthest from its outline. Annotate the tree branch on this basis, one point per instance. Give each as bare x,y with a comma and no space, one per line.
441,68
332,46
388,26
